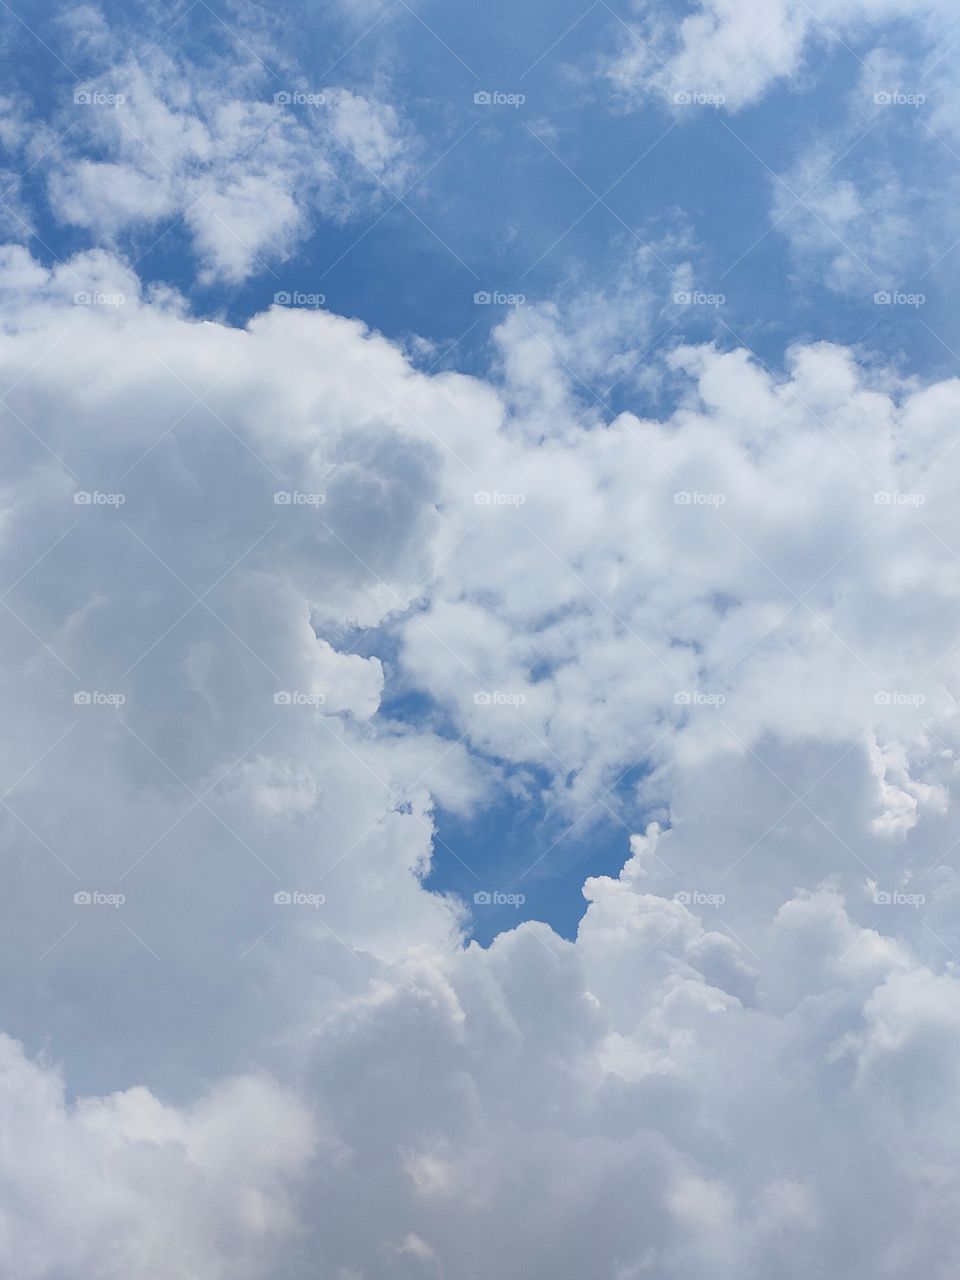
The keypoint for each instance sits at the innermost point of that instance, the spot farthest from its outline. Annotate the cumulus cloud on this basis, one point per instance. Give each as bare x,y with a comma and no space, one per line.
124,1185
220,548
641,590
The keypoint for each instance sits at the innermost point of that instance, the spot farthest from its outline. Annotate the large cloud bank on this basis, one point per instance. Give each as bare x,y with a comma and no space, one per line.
756,596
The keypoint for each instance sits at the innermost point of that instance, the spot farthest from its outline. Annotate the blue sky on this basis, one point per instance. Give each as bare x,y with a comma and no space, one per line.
512,198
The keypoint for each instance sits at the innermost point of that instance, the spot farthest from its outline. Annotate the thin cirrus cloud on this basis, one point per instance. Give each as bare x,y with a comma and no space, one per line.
278,600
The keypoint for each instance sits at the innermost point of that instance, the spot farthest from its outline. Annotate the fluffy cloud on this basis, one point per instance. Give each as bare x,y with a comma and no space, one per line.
123,1185
519,1095
156,143
623,1081
287,1057
742,50
639,592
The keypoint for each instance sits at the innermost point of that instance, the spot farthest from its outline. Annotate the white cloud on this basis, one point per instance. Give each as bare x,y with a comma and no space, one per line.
244,172
851,203
740,50
642,586
124,1185
712,1076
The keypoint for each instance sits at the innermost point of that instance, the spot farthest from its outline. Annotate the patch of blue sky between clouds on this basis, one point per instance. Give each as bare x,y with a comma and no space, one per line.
536,198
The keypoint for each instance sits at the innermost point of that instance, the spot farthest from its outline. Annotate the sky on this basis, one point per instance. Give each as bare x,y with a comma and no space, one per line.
479,615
